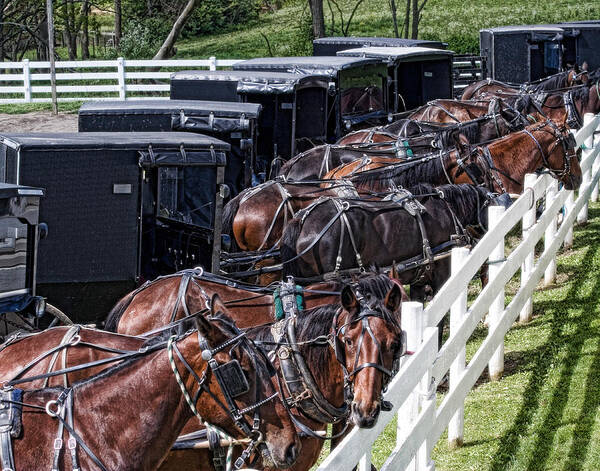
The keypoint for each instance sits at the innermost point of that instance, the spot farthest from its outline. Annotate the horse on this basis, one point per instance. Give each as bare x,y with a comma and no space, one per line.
173,297
500,165
561,80
500,121
570,105
410,228
542,145
370,303
254,219
111,411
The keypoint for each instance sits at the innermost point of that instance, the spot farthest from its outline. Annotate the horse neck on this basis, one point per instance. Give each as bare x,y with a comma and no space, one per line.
140,407
517,166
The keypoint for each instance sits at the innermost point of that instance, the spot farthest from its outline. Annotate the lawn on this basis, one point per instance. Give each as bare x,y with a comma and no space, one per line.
543,415
455,21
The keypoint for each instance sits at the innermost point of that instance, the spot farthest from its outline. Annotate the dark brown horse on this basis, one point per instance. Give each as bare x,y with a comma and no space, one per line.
329,236
559,81
110,411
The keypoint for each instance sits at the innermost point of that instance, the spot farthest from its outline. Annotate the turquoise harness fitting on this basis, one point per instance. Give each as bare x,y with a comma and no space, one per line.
279,312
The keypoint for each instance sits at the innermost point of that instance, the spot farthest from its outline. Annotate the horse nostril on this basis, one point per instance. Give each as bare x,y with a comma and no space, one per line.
291,454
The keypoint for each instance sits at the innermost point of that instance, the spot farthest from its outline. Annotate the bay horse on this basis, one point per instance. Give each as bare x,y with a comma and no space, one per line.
329,236
570,105
501,121
254,219
367,293
560,81
134,411
500,165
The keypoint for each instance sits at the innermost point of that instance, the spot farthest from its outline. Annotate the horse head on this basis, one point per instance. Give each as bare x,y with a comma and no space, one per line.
368,343
244,390
564,156
578,75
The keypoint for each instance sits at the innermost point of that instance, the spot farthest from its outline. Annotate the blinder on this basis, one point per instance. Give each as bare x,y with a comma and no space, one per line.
232,375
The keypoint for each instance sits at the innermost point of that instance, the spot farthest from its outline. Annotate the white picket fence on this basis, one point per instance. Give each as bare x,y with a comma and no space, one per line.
413,390
122,79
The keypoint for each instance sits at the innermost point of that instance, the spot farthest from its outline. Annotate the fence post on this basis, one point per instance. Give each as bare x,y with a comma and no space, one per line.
412,323
569,205
550,233
121,78
527,266
595,166
496,262
365,462
213,63
26,80
582,217
457,312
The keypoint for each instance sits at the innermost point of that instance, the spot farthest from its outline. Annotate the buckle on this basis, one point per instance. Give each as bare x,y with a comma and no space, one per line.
239,463
58,444
72,443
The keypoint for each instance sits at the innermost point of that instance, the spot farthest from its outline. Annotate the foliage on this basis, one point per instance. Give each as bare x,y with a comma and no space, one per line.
141,40
213,16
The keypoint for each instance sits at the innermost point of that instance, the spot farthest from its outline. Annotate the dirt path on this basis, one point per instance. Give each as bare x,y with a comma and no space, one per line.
38,121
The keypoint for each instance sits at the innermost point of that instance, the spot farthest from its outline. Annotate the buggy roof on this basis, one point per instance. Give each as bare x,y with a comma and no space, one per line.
525,28
319,65
113,140
374,41
253,81
8,190
396,54
190,107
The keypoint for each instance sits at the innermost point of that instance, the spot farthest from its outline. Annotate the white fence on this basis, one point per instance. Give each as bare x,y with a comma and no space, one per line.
413,390
29,81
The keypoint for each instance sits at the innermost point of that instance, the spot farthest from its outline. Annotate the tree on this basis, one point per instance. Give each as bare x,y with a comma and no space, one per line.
318,21
168,47
118,22
411,7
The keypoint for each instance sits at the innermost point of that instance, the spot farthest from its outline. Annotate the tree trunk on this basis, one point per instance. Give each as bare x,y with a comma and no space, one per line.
415,19
85,32
394,18
167,49
318,21
407,19
118,17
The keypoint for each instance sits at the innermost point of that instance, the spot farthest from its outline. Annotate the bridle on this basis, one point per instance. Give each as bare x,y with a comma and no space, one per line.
566,140
232,382
366,311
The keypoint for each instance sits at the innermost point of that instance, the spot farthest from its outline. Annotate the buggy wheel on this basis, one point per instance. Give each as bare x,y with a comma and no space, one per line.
60,318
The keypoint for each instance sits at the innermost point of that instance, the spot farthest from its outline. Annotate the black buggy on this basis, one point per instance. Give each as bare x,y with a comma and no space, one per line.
235,123
20,306
332,45
357,87
294,107
121,207
416,75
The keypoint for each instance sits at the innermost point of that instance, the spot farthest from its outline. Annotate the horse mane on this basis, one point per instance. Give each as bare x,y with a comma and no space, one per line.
229,212
551,83
405,174
463,199
114,316
470,129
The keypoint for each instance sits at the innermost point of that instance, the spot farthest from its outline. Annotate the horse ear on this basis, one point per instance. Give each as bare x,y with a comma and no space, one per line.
217,305
584,66
204,326
393,299
348,299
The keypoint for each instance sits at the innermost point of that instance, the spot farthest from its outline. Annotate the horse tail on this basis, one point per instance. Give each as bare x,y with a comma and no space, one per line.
288,248
111,323
229,212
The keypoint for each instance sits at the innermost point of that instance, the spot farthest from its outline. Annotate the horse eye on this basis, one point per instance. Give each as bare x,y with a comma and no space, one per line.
348,341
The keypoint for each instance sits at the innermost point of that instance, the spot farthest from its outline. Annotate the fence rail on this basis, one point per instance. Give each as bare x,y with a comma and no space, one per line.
413,389
29,81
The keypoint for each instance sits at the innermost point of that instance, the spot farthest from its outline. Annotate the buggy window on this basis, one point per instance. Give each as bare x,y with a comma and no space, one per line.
187,194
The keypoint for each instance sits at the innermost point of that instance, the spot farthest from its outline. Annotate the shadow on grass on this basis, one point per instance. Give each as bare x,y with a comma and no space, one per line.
572,344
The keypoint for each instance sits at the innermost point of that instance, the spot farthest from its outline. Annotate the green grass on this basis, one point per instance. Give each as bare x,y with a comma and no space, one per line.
543,414
20,108
455,21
